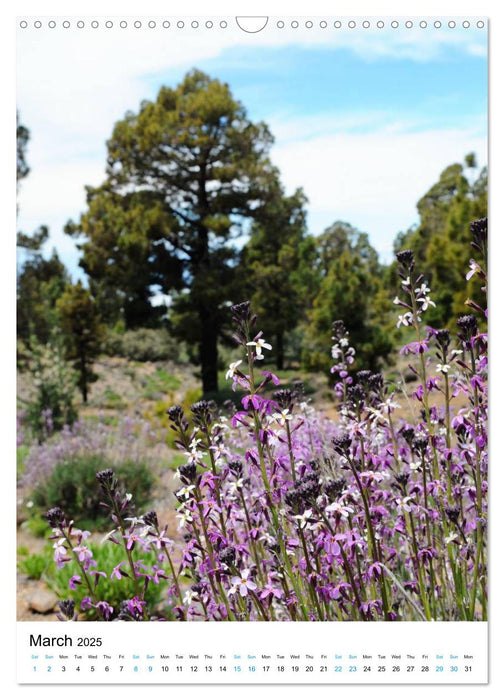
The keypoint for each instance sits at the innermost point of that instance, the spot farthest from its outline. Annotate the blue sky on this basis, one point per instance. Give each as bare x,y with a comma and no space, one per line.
314,80
364,120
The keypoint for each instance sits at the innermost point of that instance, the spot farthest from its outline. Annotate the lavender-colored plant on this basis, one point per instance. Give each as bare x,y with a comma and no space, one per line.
285,515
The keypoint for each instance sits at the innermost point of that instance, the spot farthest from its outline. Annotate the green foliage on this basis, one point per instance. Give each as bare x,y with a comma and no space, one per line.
107,556
161,382
105,420
34,565
50,404
269,263
34,241
37,525
441,241
40,283
21,454
72,485
112,399
22,138
83,332
159,416
191,396
350,289
184,174
142,344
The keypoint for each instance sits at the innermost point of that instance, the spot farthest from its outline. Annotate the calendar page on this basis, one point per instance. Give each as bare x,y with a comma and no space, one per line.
252,406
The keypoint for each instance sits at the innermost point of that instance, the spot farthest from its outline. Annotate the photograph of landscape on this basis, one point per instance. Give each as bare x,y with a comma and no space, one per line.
252,321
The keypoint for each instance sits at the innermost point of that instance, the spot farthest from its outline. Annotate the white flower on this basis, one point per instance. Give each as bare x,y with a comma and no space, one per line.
185,492
59,550
107,536
259,345
135,522
404,319
340,509
236,486
282,417
306,408
189,597
194,454
406,282
416,466
396,300
303,519
343,342
242,583
218,451
232,591
389,405
451,538
426,302
473,269
403,503
423,289
232,369
184,517
442,368
269,539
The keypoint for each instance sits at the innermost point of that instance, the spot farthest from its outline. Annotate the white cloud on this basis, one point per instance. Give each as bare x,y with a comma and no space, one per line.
372,180
79,80
74,84
54,194
285,127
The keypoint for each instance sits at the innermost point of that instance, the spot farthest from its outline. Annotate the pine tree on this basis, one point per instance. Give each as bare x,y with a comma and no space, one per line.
83,332
184,174
270,260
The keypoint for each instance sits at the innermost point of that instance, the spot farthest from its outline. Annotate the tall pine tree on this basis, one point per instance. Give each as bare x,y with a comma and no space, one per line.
270,261
184,174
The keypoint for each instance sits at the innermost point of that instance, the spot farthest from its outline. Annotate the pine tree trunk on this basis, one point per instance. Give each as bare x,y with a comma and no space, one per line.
83,377
280,350
208,352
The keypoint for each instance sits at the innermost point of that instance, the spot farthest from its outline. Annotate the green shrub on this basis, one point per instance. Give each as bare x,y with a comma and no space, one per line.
106,556
160,383
50,405
158,416
103,419
21,453
143,344
37,526
34,565
190,397
113,400
73,486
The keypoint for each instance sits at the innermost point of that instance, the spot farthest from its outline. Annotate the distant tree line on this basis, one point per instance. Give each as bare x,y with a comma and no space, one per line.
187,175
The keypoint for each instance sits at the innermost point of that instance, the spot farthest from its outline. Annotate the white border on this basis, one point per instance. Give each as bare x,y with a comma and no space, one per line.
231,8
